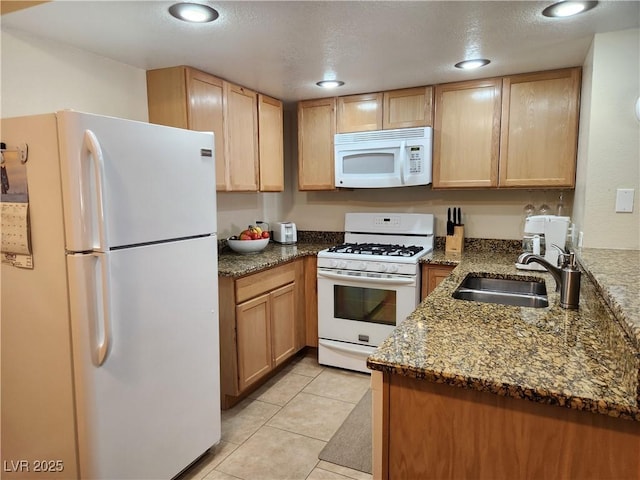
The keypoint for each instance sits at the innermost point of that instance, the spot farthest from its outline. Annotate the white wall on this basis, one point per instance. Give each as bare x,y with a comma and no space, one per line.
609,147
41,76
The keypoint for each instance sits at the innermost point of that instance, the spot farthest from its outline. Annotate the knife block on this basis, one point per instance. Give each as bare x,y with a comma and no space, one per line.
455,243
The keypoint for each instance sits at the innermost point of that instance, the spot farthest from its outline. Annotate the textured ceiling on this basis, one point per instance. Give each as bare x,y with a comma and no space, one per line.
283,48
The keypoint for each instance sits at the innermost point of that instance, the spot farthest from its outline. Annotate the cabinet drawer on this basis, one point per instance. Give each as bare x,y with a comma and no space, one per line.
259,283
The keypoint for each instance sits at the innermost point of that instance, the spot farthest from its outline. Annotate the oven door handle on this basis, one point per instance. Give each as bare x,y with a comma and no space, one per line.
380,281
346,347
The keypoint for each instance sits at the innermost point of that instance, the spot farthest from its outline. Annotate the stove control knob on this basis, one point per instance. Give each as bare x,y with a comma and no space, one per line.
333,263
362,266
382,267
342,264
393,268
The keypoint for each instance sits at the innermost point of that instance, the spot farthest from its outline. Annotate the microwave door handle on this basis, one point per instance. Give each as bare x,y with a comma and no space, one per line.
403,160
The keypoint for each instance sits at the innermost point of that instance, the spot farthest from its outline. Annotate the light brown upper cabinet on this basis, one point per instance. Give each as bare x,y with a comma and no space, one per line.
406,108
360,113
540,129
517,131
241,134
270,140
319,120
467,134
316,129
184,97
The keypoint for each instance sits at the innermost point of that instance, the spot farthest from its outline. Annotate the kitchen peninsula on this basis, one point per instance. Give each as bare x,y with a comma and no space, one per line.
449,386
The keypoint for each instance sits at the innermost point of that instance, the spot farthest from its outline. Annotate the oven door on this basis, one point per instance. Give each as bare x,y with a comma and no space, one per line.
363,307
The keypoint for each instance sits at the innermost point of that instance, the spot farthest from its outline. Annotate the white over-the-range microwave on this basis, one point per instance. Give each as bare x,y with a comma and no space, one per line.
383,158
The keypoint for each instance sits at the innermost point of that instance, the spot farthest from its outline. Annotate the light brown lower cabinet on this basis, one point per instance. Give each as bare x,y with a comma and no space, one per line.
265,333
261,326
432,275
432,431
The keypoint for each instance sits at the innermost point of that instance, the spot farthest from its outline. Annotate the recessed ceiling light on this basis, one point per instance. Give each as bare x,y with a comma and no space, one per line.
330,83
471,64
567,8
193,12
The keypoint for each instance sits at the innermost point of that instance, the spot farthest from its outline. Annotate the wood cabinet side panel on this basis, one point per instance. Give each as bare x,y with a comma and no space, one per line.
167,97
227,327
311,301
445,432
316,129
540,116
467,134
359,113
380,424
300,309
409,107
271,144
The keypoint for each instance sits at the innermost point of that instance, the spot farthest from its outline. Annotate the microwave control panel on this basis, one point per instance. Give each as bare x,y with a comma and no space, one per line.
416,159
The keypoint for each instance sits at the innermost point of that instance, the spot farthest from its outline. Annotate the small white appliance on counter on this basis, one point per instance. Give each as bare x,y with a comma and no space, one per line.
383,158
541,232
369,284
110,350
285,233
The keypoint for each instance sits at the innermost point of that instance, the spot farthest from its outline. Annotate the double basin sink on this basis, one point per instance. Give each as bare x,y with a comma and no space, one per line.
521,292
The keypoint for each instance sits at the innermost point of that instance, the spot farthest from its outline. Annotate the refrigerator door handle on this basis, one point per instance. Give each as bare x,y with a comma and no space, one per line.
90,299
104,333
93,147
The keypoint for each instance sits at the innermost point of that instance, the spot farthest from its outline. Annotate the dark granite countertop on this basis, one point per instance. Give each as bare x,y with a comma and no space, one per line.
616,275
232,264
587,359
577,359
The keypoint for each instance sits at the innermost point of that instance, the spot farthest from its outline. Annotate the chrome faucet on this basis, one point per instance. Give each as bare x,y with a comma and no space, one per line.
566,275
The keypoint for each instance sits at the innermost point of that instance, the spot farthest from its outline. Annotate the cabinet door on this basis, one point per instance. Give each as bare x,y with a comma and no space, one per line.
167,96
316,129
360,113
206,115
283,323
467,134
241,131
432,275
540,129
184,97
270,139
253,323
410,107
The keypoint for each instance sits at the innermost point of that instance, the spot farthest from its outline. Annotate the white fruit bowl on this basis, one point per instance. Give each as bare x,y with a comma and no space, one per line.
248,246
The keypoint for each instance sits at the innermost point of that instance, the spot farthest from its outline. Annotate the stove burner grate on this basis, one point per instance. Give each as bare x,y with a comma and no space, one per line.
377,249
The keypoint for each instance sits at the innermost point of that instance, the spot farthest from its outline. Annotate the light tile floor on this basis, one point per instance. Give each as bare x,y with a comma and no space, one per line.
278,432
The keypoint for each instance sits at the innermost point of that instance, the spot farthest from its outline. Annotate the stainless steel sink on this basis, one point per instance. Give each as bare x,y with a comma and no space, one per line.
506,291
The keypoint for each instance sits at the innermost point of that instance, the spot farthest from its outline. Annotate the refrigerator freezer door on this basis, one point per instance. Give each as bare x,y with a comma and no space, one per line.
153,406
126,183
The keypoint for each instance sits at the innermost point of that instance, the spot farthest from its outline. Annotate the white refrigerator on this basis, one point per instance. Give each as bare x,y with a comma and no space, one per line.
109,344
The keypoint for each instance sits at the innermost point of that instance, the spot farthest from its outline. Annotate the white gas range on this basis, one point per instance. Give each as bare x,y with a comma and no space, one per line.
369,284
